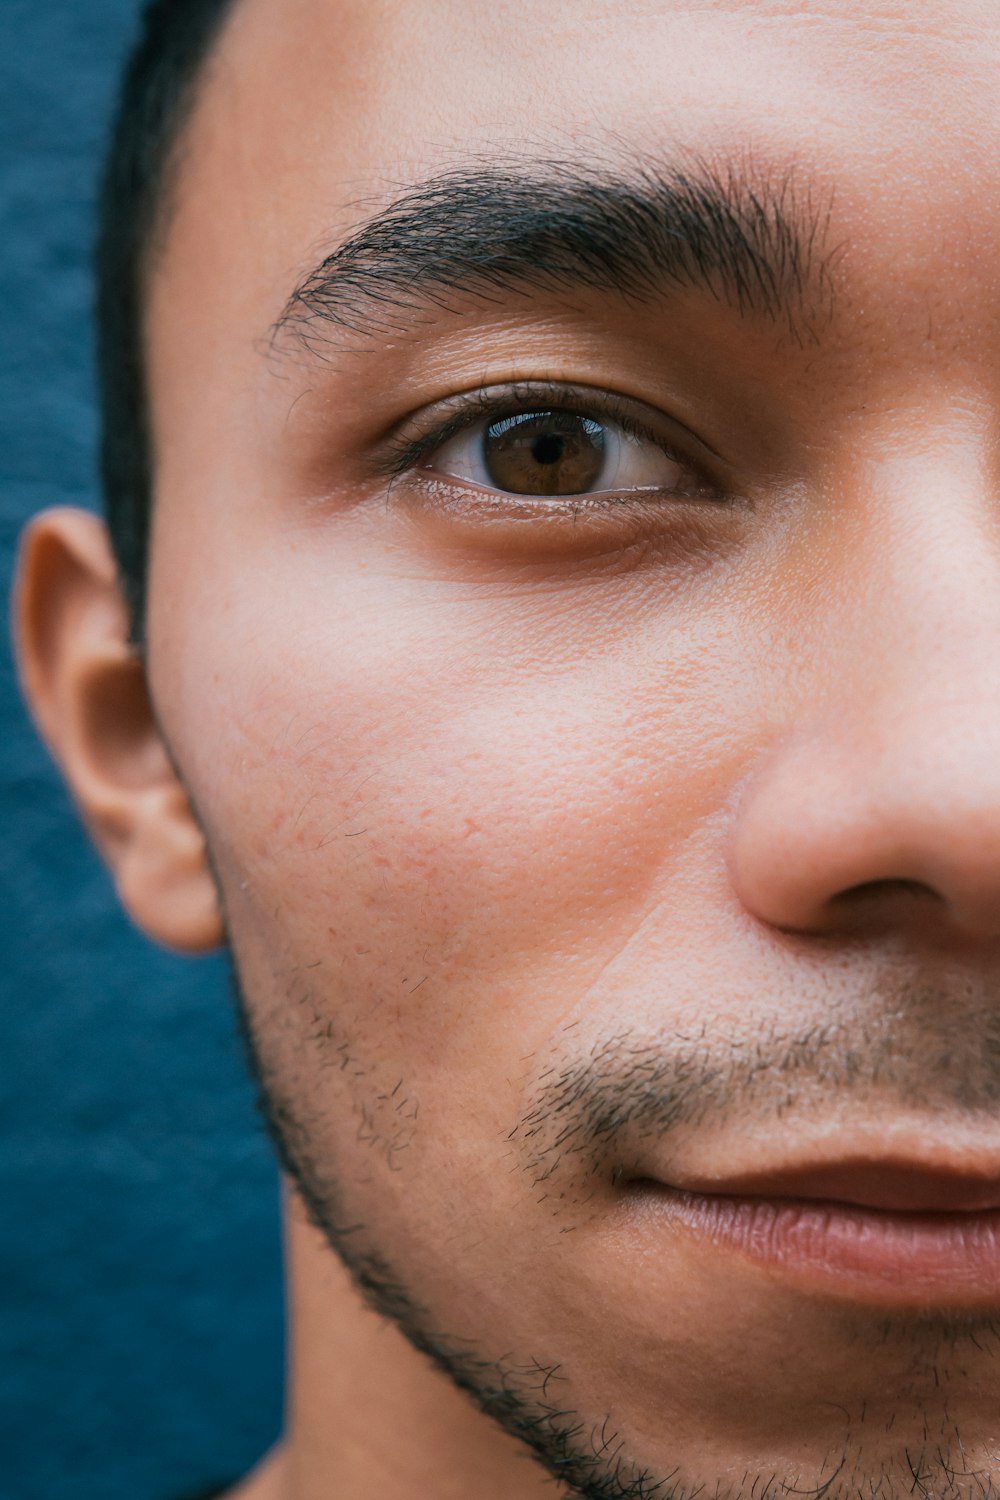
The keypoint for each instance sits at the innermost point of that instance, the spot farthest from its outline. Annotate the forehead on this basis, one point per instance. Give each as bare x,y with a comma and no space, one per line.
318,111
357,94
398,78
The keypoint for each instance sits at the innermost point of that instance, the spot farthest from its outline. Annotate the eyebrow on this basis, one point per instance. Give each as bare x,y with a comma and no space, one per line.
488,231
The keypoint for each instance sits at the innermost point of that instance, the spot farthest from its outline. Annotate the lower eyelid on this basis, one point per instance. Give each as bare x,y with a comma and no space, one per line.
625,530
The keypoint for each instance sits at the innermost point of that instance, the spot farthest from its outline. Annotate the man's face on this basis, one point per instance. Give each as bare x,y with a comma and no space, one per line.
582,648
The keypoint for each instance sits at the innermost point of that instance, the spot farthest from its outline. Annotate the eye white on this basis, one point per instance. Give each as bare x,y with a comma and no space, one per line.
630,462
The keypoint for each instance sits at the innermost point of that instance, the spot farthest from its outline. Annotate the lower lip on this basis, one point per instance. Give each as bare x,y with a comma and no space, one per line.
886,1258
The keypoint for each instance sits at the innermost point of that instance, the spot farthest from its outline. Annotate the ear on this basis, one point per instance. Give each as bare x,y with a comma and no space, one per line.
86,687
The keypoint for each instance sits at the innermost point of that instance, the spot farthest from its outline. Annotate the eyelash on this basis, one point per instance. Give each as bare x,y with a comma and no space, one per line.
406,451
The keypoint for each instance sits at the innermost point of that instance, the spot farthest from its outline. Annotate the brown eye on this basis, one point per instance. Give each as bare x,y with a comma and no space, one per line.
556,453
544,453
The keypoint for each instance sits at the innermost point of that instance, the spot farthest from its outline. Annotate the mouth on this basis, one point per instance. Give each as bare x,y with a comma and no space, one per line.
887,1233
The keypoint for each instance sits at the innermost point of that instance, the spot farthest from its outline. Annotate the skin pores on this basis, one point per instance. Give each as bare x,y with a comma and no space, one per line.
676,822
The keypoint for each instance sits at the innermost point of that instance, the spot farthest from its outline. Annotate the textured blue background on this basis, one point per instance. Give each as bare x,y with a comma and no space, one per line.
140,1317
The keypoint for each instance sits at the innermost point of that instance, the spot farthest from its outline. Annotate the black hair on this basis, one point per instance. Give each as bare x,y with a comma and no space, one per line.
158,89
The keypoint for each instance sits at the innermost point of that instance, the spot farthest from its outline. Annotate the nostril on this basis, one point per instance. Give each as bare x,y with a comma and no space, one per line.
869,892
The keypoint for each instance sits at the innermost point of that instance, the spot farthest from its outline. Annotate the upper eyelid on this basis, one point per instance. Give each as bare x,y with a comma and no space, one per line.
468,409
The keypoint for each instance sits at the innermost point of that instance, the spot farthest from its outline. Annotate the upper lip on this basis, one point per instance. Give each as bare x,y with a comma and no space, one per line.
900,1165
895,1186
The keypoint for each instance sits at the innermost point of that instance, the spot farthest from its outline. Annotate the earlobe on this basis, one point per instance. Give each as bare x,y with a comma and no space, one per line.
86,687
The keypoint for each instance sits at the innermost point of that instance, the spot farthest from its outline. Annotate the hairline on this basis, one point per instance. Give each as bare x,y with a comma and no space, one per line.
162,88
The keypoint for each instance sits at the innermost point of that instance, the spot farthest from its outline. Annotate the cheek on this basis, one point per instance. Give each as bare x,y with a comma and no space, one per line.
439,823
445,803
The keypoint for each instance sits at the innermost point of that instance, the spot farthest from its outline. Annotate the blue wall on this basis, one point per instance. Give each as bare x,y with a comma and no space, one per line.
140,1316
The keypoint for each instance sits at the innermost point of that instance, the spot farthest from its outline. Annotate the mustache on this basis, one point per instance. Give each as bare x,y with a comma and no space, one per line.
926,1050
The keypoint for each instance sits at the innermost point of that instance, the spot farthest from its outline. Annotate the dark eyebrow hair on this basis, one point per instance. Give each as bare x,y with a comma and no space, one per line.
553,226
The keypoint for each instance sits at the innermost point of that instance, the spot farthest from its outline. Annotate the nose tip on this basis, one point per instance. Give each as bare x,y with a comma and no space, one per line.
829,838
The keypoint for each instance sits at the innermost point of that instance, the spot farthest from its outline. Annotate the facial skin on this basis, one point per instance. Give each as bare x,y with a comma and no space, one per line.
566,846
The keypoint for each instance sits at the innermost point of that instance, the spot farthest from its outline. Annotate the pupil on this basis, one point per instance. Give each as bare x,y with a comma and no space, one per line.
544,453
548,450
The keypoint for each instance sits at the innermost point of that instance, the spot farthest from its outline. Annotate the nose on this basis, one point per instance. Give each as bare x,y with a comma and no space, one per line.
834,834
879,807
